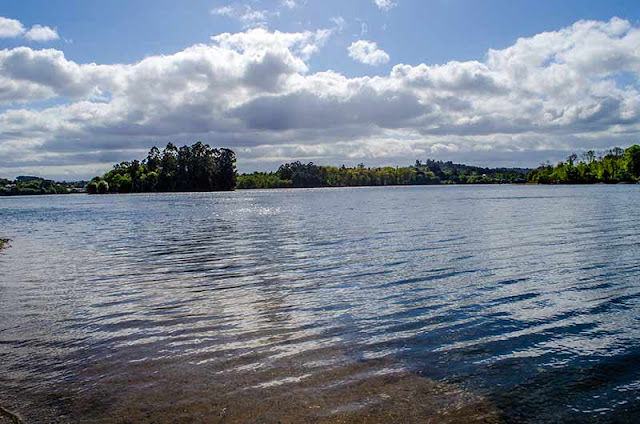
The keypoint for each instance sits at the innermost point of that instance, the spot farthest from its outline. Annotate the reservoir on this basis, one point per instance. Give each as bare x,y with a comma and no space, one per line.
387,304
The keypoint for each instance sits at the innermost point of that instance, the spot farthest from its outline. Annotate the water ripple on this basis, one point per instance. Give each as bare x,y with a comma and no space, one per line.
528,295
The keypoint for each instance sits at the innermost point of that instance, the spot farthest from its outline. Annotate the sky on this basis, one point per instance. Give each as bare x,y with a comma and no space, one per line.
86,84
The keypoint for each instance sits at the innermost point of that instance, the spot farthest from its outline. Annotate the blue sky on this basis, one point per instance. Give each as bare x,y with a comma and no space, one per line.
450,39
417,31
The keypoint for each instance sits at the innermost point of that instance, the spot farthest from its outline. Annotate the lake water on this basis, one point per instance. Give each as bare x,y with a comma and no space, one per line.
467,303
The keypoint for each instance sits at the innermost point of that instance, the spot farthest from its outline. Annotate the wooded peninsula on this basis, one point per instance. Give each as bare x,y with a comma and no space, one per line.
200,167
188,168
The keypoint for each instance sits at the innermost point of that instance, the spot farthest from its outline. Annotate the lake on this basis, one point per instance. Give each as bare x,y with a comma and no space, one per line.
399,304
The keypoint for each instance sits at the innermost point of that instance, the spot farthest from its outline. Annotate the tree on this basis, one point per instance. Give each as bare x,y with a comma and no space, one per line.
153,160
190,168
103,187
589,156
169,168
226,172
184,179
615,165
632,156
92,187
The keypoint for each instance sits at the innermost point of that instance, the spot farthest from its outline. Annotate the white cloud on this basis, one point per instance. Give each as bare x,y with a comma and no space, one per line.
254,91
291,4
259,41
48,73
247,16
41,34
10,28
339,22
385,4
223,11
367,52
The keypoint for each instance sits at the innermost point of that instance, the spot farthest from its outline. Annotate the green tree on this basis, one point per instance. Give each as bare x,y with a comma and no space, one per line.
190,168
632,156
103,187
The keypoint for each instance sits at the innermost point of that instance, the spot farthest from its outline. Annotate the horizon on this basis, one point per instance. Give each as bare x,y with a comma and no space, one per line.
317,164
488,84
599,153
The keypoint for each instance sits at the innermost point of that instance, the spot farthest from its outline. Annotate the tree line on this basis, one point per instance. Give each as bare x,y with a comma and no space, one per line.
298,174
616,165
26,185
198,167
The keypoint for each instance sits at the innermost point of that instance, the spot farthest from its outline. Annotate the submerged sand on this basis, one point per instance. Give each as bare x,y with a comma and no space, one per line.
370,391
7,417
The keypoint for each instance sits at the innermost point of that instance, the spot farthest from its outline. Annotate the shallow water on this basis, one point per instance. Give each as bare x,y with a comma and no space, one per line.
524,299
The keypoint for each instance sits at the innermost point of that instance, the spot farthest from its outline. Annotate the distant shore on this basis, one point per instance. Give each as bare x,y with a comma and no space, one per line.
199,168
29,185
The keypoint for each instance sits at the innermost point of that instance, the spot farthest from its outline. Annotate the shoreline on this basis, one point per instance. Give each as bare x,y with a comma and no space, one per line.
527,184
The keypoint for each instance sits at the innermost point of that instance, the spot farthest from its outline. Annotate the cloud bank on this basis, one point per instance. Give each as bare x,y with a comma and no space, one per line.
254,91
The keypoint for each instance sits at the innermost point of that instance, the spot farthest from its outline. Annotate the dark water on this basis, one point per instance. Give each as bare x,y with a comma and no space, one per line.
526,296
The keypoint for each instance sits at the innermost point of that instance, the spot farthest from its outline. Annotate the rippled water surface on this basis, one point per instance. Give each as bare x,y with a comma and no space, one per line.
523,301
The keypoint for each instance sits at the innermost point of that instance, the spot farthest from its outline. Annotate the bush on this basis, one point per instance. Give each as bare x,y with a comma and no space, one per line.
103,187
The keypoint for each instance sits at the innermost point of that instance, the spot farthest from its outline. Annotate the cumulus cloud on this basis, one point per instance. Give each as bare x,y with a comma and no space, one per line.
259,41
385,4
41,33
255,91
10,28
367,52
47,73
